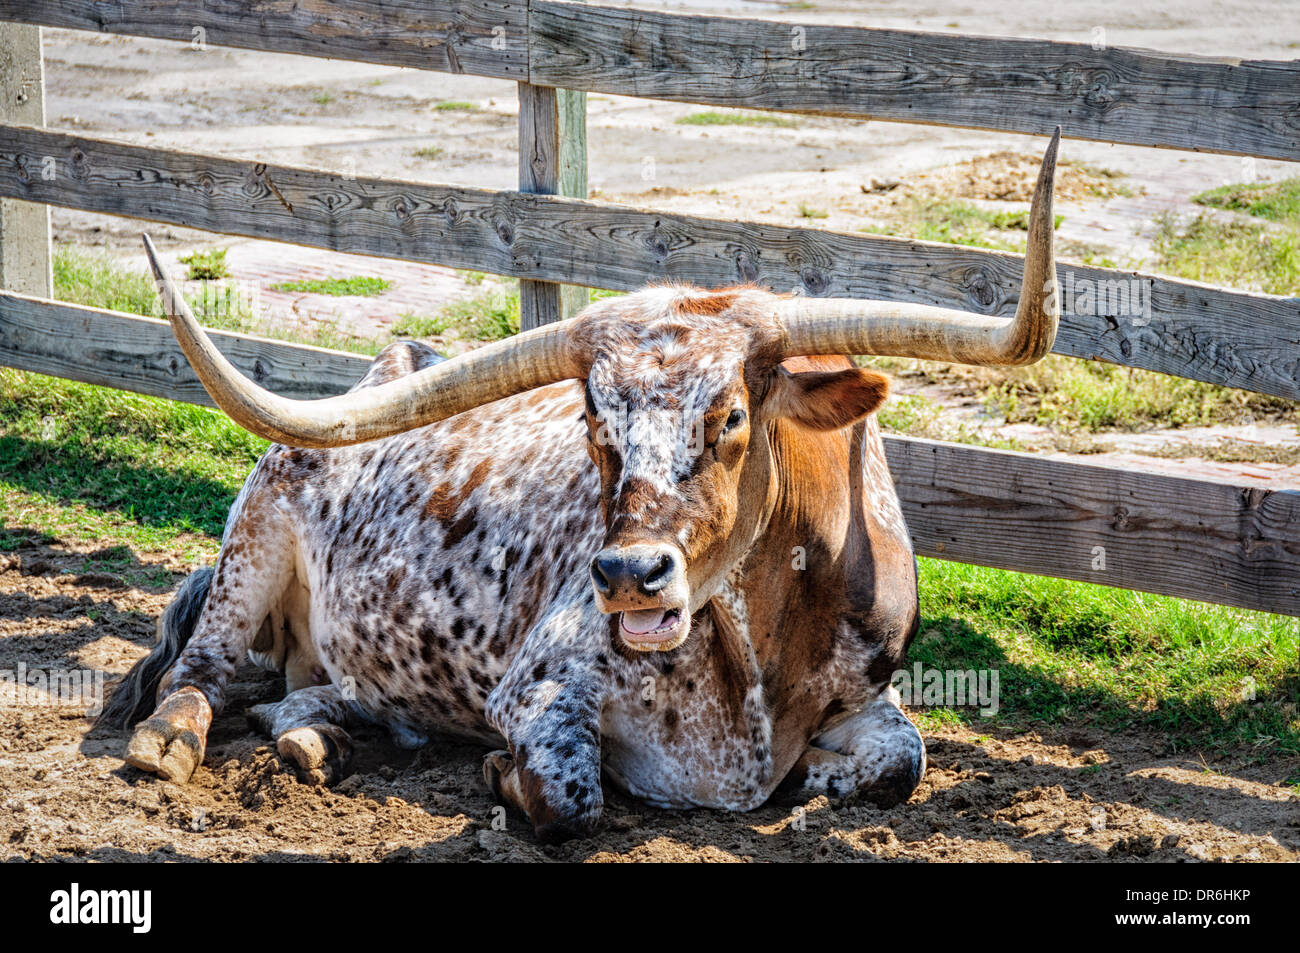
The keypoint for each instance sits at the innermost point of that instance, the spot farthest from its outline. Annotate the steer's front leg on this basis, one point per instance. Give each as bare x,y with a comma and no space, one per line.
876,752
548,708
552,770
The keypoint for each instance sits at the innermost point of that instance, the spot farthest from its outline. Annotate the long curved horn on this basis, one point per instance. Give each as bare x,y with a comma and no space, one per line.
489,373
852,326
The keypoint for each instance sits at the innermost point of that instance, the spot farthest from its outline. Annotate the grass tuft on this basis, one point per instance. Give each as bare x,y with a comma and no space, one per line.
357,286
1063,392
1238,254
737,118
489,316
1275,201
955,222
206,264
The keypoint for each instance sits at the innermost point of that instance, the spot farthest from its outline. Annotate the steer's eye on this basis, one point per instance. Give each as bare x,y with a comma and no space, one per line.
735,420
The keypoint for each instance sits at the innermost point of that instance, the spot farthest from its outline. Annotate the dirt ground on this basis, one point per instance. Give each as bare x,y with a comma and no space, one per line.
1060,794
65,793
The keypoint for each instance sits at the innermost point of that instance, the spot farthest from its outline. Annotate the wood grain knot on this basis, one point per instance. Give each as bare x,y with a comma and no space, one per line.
982,291
815,282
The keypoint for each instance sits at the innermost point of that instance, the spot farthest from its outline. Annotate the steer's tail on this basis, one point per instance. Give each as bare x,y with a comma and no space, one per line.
134,697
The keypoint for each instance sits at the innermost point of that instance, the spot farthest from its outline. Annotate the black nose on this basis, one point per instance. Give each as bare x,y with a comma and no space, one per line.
627,572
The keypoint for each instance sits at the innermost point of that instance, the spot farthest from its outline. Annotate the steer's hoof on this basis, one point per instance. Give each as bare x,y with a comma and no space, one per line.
170,742
320,754
497,765
170,752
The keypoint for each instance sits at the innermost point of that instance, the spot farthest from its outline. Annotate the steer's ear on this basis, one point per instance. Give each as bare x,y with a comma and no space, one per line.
826,400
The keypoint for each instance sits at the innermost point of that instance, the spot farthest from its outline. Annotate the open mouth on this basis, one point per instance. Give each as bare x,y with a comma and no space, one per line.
650,627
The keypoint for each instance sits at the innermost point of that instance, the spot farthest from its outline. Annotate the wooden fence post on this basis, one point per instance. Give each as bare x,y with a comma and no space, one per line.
24,226
552,161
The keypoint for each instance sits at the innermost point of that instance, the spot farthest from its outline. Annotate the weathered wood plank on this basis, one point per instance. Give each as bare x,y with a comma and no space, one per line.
482,37
571,119
25,260
1113,94
1217,335
1196,539
540,302
552,161
140,354
1142,97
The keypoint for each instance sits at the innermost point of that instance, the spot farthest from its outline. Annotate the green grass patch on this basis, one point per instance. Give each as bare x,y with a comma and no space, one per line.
365,286
427,152
1074,397
1275,201
1067,652
97,281
489,316
455,105
116,459
955,222
206,264
735,118
1232,450
918,416
807,211
1064,392
1237,254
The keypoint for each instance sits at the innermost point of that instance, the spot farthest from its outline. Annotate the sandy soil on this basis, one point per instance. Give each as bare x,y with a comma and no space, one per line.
64,792
1062,794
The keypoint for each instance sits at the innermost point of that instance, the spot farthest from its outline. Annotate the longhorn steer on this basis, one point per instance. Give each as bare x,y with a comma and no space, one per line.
659,540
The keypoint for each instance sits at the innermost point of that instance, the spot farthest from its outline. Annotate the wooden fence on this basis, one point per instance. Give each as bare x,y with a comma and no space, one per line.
1195,538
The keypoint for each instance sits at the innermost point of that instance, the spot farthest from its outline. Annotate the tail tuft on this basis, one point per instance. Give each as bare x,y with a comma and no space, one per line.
135,696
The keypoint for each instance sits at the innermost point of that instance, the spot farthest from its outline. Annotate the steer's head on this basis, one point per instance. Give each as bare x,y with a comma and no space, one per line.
681,386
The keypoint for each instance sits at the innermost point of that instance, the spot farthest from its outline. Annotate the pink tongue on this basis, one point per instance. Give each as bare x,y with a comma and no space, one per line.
643,620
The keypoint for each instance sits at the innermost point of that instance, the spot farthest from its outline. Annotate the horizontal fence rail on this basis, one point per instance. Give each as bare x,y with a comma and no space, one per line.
482,37
1201,539
111,349
1210,540
1233,338
1111,94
